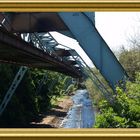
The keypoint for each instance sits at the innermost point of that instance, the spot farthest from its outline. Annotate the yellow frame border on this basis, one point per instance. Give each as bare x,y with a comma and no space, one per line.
63,5
63,134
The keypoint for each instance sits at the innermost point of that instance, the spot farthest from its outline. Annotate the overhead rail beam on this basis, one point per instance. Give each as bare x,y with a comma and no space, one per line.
15,50
79,25
34,40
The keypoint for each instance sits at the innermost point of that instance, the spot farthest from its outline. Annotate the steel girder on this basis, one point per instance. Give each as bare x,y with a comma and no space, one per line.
15,83
15,50
84,31
79,25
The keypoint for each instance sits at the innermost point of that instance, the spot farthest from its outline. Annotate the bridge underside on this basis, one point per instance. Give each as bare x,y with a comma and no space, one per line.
15,50
78,25
35,22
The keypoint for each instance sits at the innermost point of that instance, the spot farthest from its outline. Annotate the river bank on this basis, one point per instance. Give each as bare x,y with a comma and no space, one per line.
74,111
70,111
54,116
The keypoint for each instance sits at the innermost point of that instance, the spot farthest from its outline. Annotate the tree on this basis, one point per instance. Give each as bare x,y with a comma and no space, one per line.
130,59
124,113
26,104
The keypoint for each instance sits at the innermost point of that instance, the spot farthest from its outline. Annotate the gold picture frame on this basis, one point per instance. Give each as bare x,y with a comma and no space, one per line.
63,5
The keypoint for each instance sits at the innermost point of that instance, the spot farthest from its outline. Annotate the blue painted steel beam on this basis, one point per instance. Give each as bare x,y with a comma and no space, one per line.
83,29
18,78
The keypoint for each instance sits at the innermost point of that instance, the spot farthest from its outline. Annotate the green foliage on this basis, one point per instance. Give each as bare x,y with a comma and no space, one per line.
109,119
26,102
130,59
70,89
6,74
95,94
125,112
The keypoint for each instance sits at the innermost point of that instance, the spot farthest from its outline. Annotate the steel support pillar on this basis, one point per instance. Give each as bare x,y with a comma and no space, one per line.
84,31
12,88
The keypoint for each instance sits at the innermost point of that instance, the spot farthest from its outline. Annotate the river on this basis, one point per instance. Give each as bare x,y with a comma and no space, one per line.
81,114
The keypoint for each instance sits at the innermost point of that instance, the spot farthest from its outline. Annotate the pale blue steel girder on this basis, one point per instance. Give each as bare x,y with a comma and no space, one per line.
84,31
45,45
20,74
17,79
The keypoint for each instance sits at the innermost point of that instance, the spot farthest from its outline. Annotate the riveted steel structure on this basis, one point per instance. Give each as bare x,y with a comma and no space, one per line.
83,29
80,26
41,49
